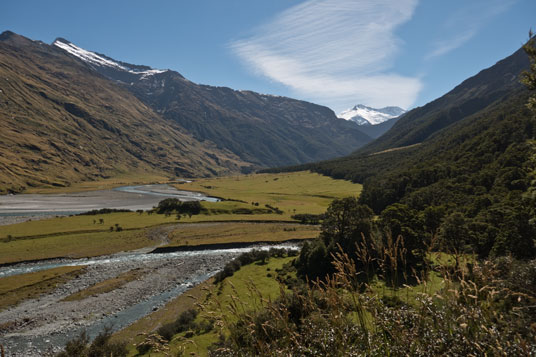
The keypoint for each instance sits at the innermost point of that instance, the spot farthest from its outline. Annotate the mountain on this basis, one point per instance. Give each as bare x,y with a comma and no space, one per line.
470,153
364,115
371,121
263,130
62,122
70,115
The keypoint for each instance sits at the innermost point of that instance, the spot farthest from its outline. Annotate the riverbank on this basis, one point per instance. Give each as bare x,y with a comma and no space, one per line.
48,322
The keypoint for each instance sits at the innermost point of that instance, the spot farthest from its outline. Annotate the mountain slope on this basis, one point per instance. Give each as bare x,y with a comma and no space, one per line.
475,174
375,131
491,85
261,129
445,124
61,123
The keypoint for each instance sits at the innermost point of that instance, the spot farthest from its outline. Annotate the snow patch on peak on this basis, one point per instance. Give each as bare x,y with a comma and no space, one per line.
101,61
364,115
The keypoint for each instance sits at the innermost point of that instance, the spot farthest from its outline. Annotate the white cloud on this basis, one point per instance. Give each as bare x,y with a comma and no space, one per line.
466,23
335,52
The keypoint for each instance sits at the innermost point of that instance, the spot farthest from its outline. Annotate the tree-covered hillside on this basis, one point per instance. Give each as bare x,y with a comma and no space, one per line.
480,168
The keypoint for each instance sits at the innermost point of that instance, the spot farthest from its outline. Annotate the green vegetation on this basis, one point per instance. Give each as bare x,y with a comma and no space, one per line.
528,78
470,183
101,346
369,301
14,289
487,312
173,205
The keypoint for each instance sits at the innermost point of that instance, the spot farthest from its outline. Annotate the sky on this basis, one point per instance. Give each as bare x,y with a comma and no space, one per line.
337,53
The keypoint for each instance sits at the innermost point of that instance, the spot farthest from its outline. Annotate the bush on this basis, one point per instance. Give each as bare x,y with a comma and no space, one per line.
100,347
306,218
184,322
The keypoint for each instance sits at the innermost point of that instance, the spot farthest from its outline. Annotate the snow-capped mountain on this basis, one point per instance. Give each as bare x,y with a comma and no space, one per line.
364,115
124,71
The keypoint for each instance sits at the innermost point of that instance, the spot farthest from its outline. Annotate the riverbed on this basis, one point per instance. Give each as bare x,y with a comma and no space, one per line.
20,208
45,324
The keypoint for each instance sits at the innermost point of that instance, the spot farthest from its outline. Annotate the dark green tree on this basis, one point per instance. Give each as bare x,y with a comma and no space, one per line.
454,235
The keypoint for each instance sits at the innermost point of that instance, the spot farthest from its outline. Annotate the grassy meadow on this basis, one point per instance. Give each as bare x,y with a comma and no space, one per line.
247,197
295,192
239,232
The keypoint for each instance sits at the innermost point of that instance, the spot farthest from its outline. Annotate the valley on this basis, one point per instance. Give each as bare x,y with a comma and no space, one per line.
123,279
143,213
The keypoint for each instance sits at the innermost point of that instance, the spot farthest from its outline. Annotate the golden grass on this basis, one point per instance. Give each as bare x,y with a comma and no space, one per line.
14,289
86,224
230,232
73,245
296,192
106,285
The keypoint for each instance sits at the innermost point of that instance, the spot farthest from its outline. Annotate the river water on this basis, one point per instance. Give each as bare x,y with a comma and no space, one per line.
48,322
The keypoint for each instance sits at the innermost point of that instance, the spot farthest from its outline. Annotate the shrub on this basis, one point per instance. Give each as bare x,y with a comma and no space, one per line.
184,322
100,347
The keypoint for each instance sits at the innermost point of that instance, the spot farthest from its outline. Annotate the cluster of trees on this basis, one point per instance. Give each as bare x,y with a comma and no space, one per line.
173,205
397,241
478,174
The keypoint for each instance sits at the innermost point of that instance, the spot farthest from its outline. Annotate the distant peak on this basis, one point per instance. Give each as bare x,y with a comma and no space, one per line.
363,115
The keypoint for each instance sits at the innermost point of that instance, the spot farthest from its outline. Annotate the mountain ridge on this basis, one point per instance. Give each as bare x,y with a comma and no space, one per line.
262,129
86,125
64,123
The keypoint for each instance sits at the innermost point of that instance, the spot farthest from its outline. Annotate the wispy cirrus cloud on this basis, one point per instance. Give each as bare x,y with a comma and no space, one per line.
465,23
335,52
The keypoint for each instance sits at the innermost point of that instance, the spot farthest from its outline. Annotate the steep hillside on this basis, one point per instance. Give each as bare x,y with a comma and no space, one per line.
261,129
490,86
478,170
62,122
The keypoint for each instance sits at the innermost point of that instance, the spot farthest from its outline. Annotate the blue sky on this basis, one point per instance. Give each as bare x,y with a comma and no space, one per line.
332,52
